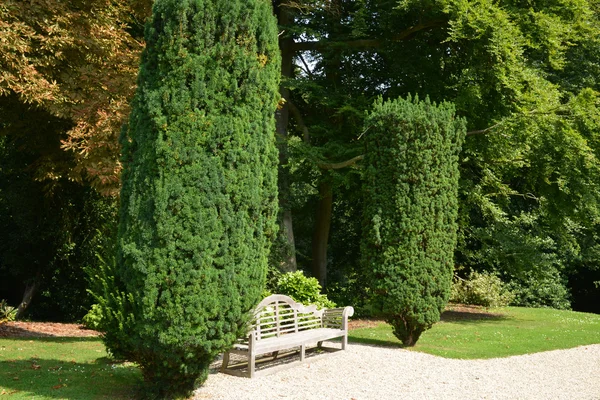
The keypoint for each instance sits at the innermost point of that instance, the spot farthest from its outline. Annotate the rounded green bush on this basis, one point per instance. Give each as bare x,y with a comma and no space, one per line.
93,319
481,289
303,289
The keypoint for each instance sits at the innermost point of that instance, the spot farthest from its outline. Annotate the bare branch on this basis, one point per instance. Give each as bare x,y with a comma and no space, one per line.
552,111
368,43
307,69
300,121
342,164
482,131
306,138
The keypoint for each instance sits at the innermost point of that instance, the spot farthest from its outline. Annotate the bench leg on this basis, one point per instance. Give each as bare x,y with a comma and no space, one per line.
275,354
251,365
302,352
225,361
344,341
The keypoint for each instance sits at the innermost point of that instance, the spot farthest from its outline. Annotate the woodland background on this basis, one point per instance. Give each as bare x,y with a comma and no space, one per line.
524,74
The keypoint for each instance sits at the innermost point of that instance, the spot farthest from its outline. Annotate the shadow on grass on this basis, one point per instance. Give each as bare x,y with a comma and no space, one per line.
60,379
469,315
53,339
375,341
379,333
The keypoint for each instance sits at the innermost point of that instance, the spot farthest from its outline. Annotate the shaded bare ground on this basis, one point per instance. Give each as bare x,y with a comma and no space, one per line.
454,312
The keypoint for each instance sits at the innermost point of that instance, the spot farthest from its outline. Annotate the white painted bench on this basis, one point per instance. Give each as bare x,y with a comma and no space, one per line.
282,324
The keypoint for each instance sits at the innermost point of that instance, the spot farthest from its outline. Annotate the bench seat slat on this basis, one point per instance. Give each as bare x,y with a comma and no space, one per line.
283,342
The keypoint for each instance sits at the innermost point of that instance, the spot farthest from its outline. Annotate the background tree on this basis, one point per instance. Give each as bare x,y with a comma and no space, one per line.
67,74
198,202
77,61
45,241
527,201
411,205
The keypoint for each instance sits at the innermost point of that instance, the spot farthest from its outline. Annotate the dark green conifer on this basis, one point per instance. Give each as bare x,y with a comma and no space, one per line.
410,189
199,187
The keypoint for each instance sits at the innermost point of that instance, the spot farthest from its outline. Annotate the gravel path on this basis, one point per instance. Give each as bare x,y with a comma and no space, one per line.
379,373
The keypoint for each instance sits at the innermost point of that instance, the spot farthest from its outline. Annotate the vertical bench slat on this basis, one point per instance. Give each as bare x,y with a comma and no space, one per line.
280,320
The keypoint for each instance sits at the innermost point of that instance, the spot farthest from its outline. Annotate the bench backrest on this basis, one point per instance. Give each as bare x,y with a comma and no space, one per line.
278,315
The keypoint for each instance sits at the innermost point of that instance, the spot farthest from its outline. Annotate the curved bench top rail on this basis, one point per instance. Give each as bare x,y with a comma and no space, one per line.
344,311
280,298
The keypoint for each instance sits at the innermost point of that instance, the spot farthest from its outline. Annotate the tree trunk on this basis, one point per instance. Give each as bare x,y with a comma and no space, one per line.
332,63
321,232
31,288
288,264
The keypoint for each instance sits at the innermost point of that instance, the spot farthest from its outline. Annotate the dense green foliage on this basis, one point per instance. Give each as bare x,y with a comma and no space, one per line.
68,73
410,189
525,74
529,203
199,187
47,237
541,289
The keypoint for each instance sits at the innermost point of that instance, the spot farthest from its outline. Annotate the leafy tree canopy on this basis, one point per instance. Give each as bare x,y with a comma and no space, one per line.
77,61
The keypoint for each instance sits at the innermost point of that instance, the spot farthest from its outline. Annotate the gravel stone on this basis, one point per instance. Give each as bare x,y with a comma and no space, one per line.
378,373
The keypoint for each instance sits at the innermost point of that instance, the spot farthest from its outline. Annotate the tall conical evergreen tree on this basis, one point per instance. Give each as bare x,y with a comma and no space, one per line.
199,186
410,210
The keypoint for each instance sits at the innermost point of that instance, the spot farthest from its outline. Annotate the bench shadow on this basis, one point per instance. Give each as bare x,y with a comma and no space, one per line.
375,342
267,364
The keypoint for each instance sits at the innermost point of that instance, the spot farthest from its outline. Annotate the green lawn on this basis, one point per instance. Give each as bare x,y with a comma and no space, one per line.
77,368
495,333
63,368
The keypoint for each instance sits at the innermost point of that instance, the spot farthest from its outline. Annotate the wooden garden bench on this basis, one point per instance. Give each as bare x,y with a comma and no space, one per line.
282,324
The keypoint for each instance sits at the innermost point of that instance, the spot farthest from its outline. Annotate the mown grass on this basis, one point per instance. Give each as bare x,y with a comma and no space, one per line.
78,368
495,333
63,368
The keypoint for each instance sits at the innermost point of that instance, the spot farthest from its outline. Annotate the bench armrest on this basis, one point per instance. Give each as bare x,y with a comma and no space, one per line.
337,317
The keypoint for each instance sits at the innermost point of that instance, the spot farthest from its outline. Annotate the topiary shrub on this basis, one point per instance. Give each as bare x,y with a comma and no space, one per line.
303,289
410,210
198,201
481,289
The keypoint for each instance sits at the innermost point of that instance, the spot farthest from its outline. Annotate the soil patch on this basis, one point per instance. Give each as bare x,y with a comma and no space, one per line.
17,329
453,313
